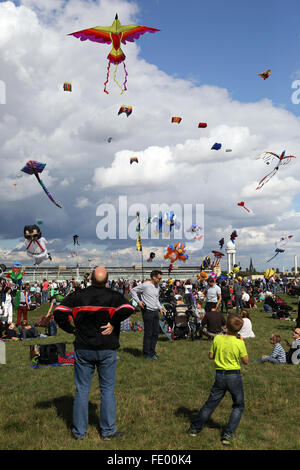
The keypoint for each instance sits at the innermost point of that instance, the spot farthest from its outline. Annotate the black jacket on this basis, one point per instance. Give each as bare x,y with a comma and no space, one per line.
89,309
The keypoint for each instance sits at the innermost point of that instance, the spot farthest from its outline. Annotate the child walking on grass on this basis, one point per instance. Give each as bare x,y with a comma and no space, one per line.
226,351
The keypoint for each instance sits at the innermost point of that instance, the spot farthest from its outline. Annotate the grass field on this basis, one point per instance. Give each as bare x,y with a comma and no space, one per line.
155,399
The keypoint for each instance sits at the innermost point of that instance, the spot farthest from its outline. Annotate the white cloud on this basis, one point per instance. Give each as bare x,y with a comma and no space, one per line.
69,131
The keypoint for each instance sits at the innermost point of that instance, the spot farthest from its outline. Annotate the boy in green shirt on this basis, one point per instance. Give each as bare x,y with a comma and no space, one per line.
226,350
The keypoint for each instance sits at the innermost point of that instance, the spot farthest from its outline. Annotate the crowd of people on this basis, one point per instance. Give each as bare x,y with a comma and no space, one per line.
95,308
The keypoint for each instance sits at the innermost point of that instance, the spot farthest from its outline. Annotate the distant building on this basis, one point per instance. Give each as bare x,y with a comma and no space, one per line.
251,267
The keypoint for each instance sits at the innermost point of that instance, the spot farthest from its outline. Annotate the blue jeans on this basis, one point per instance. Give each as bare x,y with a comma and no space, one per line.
44,296
269,359
225,381
84,367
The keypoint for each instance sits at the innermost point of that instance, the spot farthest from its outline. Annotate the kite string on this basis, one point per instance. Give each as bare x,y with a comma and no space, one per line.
126,74
107,77
115,79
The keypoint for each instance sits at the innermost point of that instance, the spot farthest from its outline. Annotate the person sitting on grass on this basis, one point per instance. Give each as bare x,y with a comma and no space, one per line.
27,330
226,350
212,323
294,346
278,355
246,330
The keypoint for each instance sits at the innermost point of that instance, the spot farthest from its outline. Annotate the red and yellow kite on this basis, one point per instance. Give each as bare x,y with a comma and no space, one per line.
115,35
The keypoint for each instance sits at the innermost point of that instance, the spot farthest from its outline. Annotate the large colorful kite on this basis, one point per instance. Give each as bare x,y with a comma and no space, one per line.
33,167
115,35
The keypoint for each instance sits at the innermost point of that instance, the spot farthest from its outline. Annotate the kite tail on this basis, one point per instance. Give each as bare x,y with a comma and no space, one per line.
272,258
246,209
47,192
126,74
266,178
107,78
115,79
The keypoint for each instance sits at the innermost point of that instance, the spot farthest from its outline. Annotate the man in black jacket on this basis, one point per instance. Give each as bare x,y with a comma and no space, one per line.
96,313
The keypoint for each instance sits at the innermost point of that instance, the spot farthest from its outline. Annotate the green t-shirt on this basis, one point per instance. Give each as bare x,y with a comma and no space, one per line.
227,351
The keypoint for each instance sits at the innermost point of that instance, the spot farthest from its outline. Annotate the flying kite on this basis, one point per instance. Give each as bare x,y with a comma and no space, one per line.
165,222
33,167
115,35
228,150
67,86
202,125
234,270
265,74
75,240
283,241
176,119
16,273
268,157
269,273
109,140
35,244
202,276
125,109
39,221
176,252
133,159
216,146
138,219
233,236
151,257
196,230
242,204
217,258
277,251
221,243
205,263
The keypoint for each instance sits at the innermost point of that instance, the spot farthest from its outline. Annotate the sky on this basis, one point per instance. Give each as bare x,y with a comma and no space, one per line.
203,66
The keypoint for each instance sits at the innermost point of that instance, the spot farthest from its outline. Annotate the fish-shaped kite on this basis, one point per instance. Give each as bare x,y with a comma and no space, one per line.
33,167
115,35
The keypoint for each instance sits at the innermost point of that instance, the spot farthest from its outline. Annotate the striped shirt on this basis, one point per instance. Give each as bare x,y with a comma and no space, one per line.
279,353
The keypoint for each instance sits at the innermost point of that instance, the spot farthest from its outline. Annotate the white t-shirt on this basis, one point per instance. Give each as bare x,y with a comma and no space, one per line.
212,293
245,297
246,330
188,288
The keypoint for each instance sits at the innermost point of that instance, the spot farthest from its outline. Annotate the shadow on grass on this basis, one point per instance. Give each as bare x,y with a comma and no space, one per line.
64,409
190,414
134,351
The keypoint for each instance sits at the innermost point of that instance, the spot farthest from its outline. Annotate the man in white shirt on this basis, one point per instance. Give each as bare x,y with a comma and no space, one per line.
213,295
147,297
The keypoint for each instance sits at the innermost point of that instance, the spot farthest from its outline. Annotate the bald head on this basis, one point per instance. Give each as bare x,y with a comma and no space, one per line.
99,276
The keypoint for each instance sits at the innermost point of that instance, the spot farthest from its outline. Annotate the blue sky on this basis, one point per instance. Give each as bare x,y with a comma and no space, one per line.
227,43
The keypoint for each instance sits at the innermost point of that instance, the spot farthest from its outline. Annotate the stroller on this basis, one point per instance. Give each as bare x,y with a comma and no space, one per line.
181,321
281,308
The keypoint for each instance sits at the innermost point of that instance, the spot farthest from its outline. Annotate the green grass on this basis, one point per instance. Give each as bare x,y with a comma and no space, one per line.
155,399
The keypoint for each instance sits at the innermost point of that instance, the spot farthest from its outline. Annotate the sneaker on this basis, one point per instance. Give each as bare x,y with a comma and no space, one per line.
155,357
111,436
193,432
226,440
